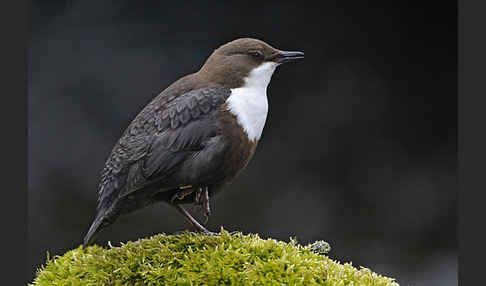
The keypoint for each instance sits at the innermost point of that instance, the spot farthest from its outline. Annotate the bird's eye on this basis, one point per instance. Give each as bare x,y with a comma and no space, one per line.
256,54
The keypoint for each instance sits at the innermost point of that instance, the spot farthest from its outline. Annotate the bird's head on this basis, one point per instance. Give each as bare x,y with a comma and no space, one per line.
245,60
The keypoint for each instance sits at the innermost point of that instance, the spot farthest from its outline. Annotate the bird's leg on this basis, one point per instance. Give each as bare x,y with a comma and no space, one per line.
192,221
181,194
197,200
202,199
205,203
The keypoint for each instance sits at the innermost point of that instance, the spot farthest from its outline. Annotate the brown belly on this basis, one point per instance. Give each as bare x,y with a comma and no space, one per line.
221,169
240,149
218,165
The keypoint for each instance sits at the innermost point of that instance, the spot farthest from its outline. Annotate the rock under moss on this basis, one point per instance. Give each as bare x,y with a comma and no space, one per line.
197,259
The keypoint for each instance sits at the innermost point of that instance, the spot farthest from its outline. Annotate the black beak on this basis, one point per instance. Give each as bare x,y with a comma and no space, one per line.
286,56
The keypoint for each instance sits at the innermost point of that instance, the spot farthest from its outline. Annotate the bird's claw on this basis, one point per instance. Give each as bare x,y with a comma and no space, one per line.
197,200
205,203
181,195
201,198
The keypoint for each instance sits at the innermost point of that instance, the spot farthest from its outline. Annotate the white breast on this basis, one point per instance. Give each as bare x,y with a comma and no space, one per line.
249,103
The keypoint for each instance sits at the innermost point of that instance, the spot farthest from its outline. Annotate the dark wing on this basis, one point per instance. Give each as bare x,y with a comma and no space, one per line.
160,138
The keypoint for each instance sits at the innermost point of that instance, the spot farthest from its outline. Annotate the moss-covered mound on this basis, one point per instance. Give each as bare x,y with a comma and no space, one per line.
196,259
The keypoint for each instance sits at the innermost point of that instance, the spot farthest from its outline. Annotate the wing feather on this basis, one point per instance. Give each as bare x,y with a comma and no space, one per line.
159,139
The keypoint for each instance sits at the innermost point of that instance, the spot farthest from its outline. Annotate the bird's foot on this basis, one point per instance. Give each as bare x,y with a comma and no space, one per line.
206,206
197,199
183,232
210,233
191,220
180,195
202,200
207,232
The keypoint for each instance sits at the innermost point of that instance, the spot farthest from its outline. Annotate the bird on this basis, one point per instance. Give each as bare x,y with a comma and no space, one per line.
194,138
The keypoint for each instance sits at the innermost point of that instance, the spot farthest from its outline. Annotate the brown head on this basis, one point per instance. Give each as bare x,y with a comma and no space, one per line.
232,62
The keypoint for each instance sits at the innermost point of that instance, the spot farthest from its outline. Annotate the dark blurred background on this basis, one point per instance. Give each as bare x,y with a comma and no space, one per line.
359,148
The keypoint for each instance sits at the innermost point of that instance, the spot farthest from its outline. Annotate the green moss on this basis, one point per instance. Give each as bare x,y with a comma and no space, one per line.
196,259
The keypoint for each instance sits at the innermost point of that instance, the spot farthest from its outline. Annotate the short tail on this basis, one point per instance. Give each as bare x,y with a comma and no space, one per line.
93,230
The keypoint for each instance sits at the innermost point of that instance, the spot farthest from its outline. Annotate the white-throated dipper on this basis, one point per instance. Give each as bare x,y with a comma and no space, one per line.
194,138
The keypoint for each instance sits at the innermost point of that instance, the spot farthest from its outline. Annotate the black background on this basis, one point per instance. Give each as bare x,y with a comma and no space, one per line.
359,147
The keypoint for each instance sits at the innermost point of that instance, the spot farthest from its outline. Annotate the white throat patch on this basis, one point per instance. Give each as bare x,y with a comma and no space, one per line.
249,103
